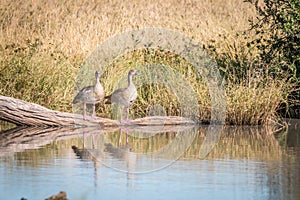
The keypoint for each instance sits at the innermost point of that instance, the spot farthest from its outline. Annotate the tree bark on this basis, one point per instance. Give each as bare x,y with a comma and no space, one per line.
24,113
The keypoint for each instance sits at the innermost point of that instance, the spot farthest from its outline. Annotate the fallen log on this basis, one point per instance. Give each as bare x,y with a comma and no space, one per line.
24,113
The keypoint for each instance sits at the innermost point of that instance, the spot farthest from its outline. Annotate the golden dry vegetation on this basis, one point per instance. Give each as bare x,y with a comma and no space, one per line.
44,43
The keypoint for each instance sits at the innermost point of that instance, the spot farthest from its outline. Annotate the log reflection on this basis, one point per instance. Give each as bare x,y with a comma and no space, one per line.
165,142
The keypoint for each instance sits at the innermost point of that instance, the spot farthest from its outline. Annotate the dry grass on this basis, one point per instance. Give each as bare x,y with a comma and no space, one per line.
43,44
76,27
157,93
255,102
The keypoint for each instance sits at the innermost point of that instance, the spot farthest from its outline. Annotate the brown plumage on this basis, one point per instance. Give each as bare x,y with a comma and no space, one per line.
90,95
124,96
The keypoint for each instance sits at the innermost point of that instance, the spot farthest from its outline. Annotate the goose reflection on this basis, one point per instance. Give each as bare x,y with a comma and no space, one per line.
85,154
123,152
118,152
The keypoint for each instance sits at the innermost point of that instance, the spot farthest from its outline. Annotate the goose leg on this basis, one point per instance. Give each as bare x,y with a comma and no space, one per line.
127,113
126,137
94,112
120,138
121,118
84,111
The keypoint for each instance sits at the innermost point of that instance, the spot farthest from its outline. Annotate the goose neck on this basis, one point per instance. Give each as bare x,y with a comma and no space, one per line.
97,79
129,79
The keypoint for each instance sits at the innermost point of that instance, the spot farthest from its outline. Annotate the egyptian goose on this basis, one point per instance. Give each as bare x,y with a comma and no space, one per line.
90,95
124,96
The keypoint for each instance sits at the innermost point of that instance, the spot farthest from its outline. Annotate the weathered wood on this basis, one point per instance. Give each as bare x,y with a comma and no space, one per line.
60,196
29,114
24,113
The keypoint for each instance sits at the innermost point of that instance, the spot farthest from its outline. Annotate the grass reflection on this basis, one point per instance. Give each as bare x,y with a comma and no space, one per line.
255,143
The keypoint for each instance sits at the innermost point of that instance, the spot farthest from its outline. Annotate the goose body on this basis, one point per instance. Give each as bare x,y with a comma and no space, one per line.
125,96
90,95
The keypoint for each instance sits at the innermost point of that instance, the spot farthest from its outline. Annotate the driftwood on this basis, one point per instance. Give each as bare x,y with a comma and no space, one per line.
60,196
24,113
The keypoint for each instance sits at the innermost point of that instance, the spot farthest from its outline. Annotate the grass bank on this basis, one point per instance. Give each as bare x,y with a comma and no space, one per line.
43,44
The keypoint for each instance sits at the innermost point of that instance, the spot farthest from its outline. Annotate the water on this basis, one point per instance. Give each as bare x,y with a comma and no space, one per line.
182,163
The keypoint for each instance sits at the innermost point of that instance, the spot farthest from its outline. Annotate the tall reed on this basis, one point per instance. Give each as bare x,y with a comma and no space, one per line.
44,43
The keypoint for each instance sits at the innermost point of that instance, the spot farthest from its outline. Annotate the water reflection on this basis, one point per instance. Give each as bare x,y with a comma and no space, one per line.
234,162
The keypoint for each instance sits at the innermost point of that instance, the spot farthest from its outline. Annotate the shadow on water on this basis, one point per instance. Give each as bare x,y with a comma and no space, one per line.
134,150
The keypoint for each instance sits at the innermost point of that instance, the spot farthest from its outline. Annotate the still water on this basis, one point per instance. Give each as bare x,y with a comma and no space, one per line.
207,162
